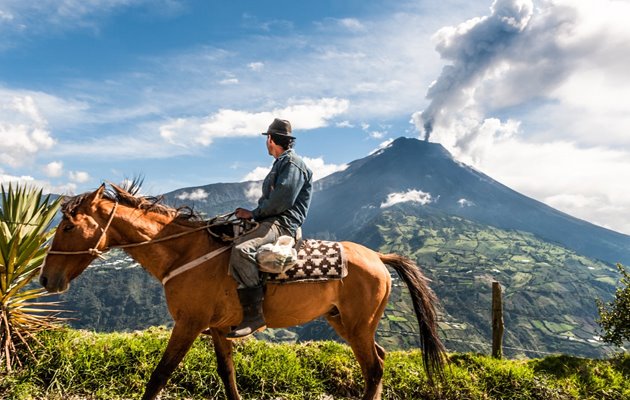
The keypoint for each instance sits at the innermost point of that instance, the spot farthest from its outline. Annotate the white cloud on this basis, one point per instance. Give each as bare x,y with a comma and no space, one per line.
25,105
23,131
6,179
581,181
258,174
465,203
195,195
253,191
321,169
412,195
382,146
378,134
79,176
346,25
38,17
69,188
54,169
6,16
351,24
256,66
344,124
43,109
304,115
312,114
47,187
317,165
131,146
229,81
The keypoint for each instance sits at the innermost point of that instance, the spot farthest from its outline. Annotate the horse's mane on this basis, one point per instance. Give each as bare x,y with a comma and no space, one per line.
128,197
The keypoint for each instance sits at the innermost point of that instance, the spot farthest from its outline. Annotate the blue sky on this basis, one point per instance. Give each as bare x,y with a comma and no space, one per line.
533,93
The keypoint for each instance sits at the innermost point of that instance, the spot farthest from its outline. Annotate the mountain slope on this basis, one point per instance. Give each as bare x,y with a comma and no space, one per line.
540,281
347,199
214,199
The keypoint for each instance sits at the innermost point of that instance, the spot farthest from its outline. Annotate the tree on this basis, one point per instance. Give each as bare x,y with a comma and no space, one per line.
614,317
25,219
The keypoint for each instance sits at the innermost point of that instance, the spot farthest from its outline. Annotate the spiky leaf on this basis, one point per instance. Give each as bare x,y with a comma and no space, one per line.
25,219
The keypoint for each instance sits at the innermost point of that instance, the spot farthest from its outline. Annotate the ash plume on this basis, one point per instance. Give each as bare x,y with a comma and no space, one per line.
473,47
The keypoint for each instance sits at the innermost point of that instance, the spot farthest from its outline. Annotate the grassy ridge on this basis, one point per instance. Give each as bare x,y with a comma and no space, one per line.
79,365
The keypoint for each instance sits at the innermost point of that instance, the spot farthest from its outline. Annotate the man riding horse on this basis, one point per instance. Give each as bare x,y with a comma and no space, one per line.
281,210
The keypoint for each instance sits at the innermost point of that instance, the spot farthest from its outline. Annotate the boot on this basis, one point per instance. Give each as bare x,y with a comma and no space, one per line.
253,320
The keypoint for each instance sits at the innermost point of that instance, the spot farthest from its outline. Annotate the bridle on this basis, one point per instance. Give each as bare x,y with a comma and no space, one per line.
94,251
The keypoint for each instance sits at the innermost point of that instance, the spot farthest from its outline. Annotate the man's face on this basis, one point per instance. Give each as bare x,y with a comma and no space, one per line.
269,142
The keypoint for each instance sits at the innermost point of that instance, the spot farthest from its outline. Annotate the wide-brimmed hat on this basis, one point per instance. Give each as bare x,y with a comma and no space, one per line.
280,127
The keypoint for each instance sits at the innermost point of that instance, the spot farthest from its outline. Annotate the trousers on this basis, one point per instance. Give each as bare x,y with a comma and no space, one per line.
243,265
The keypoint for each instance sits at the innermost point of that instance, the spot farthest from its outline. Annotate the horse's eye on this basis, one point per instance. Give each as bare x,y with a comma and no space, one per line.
68,227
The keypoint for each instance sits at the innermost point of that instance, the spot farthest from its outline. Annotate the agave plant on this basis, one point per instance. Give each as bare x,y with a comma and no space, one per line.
25,219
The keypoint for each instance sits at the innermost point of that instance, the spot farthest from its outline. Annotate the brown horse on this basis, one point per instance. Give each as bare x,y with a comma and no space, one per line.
203,299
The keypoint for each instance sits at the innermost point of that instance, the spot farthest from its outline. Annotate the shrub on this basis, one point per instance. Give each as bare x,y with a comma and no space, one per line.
614,317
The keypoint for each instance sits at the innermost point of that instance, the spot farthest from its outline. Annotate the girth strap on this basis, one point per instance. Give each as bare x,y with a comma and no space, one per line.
192,264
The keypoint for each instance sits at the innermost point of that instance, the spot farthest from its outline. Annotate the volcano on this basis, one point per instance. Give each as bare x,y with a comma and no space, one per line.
344,200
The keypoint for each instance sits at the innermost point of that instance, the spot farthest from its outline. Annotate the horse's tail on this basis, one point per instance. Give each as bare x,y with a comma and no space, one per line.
424,300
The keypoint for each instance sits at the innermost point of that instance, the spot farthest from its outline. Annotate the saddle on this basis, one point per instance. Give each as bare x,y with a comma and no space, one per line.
317,260
225,228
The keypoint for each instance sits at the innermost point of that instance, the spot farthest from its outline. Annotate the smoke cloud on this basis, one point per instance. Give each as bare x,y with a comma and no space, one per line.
475,47
520,59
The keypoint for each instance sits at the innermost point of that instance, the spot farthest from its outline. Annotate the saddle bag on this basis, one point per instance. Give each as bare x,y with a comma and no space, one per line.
278,257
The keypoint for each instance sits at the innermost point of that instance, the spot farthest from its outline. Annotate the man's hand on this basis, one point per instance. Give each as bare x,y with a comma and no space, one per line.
243,213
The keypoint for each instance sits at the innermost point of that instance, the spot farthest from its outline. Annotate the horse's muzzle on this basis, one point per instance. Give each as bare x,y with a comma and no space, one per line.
53,285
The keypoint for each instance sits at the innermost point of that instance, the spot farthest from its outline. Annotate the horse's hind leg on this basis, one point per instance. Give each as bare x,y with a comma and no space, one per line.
369,354
364,349
225,363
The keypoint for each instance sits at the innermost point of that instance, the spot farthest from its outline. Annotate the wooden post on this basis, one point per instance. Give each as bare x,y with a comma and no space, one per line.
497,321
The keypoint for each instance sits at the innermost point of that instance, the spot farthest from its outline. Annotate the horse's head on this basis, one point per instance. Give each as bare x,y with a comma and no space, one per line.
79,230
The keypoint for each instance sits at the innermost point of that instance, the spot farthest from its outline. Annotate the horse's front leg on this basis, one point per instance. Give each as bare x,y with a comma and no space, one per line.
225,363
182,337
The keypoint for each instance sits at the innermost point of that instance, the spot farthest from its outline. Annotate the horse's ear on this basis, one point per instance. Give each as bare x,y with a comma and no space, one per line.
96,196
118,189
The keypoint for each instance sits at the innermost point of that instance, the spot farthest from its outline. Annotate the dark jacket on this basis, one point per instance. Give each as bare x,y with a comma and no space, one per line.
286,192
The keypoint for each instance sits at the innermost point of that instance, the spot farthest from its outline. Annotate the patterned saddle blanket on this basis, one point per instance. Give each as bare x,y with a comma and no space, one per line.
318,260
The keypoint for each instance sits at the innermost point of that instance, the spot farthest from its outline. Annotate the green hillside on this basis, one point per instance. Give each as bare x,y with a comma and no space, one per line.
80,365
549,291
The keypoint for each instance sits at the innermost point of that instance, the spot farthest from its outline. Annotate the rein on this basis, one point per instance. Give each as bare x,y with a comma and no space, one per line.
94,251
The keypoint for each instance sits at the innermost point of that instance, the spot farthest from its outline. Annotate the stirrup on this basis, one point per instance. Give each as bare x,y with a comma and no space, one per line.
242,332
